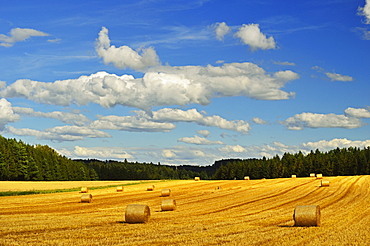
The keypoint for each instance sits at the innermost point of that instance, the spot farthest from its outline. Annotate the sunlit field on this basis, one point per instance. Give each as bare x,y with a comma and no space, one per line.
235,212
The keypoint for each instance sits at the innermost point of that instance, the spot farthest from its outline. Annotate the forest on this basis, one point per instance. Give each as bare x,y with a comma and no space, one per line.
22,162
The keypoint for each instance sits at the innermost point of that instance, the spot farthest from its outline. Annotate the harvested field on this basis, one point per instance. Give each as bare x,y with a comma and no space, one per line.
235,212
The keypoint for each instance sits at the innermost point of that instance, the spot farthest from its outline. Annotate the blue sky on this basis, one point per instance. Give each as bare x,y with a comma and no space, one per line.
185,82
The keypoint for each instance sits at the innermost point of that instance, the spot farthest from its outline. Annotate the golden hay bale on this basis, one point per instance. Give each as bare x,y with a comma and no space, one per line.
246,178
137,213
325,183
168,205
294,176
150,188
84,190
307,215
312,175
119,188
86,198
197,178
319,176
166,192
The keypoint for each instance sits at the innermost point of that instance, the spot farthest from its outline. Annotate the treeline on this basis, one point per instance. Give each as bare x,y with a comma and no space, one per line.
115,170
343,162
20,161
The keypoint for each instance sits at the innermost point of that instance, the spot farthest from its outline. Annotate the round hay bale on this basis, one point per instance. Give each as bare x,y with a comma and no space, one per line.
307,215
312,175
246,178
166,192
119,188
294,176
150,188
86,198
319,176
197,178
137,213
84,189
168,205
325,183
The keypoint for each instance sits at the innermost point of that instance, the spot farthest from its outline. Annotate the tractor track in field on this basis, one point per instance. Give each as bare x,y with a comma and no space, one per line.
263,198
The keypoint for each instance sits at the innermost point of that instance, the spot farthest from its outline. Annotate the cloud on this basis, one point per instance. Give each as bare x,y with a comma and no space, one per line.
182,154
364,32
365,11
131,123
251,35
259,121
7,114
101,152
338,77
313,120
198,140
326,145
284,63
192,115
163,119
259,151
56,40
358,112
19,34
160,86
124,57
69,118
60,133
333,76
2,84
204,133
233,149
221,29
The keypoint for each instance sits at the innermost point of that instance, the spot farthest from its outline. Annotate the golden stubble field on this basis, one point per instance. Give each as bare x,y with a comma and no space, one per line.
237,212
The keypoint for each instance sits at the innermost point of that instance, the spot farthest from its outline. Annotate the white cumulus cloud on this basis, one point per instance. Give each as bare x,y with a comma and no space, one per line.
161,86
204,133
183,154
163,121
313,120
192,115
338,77
69,118
19,34
221,29
7,113
326,145
124,57
259,121
251,35
131,123
101,152
198,140
233,148
365,11
358,112
60,133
